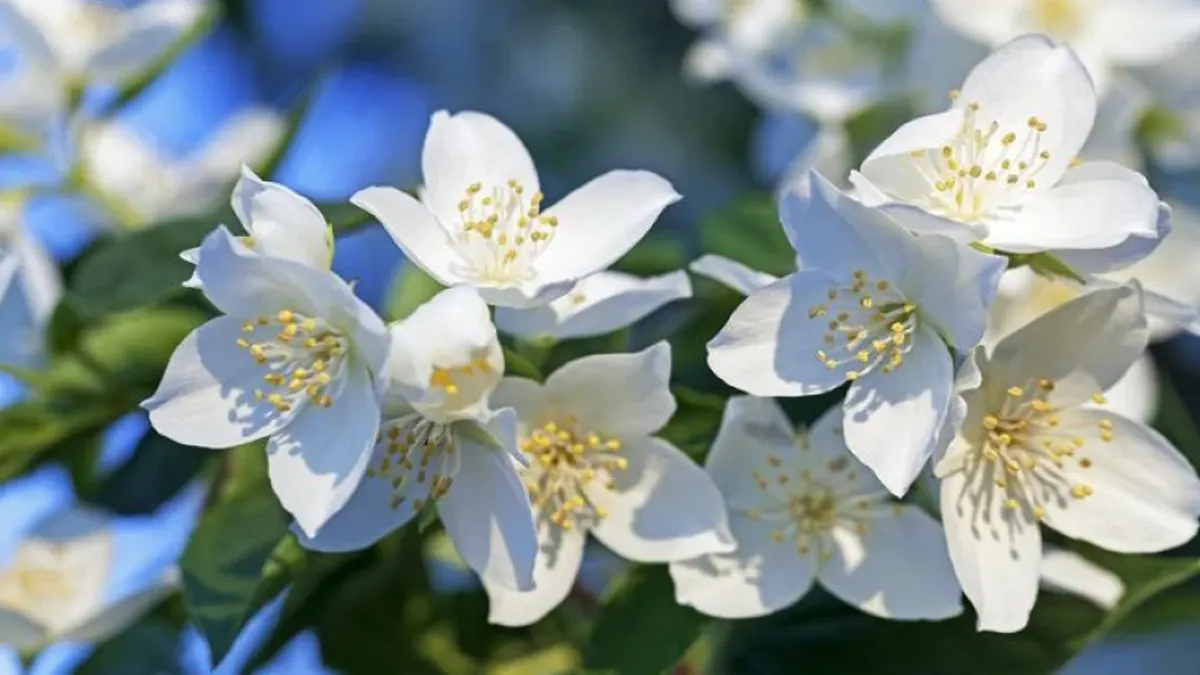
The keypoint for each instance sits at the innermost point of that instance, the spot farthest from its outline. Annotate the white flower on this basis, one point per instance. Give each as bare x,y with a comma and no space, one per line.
871,305
292,358
85,41
30,288
735,30
803,510
279,224
996,166
440,443
601,303
153,187
594,467
1072,573
1105,33
482,222
1030,451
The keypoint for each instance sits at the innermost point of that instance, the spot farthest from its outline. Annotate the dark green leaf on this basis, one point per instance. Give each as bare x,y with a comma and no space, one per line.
64,330
695,422
519,366
641,630
158,469
1045,264
227,561
411,289
656,254
748,230
149,647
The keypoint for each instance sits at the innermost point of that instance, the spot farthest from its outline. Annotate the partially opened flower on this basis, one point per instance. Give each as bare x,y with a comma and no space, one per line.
593,466
279,223
602,303
803,510
76,574
1035,450
1105,33
292,358
440,443
996,167
146,186
871,305
482,224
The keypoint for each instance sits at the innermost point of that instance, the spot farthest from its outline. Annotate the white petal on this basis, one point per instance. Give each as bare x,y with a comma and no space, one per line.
1031,76
760,577
1135,395
414,229
487,514
318,460
1145,495
282,223
892,420
39,277
996,553
663,508
1137,246
1111,333
599,222
1096,205
23,344
829,153
707,61
152,29
731,273
889,171
470,147
250,136
955,289
752,429
118,616
1072,573
1142,32
240,282
559,557
986,21
616,394
898,569
599,304
206,397
769,346
528,398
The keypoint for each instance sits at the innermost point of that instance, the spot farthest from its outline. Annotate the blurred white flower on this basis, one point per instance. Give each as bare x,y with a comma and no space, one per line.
151,187
735,30
292,357
1034,450
440,443
593,466
802,510
996,166
480,221
601,303
1105,33
279,223
30,287
871,305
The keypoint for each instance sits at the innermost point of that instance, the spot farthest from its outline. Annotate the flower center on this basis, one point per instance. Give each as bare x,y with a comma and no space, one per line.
810,499
984,172
463,387
1024,449
868,323
502,232
38,583
1060,18
566,461
304,358
419,459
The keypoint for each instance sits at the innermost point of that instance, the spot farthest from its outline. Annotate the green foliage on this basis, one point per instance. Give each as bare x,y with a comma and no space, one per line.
149,647
748,230
412,288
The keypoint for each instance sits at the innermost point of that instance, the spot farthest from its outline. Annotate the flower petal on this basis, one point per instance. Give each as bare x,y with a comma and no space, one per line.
151,29
206,397
1097,205
1145,496
1031,76
996,553
984,21
415,230
1144,32
470,147
770,345
892,420
1135,395
731,273
898,569
752,430
1136,247
22,344
1072,573
1110,329
559,557
487,514
282,223
616,394
761,577
120,615
599,222
662,508
318,460
955,289
599,304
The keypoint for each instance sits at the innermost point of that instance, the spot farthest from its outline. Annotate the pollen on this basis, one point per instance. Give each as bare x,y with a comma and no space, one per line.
569,466
503,232
294,367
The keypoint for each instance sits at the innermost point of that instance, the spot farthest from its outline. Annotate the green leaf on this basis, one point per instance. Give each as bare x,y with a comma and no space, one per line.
148,647
65,329
1045,264
641,630
157,471
132,349
872,126
656,254
748,230
695,422
519,366
411,289
135,270
228,560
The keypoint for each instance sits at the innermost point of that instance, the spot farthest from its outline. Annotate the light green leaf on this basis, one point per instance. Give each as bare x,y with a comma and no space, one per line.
748,230
411,289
